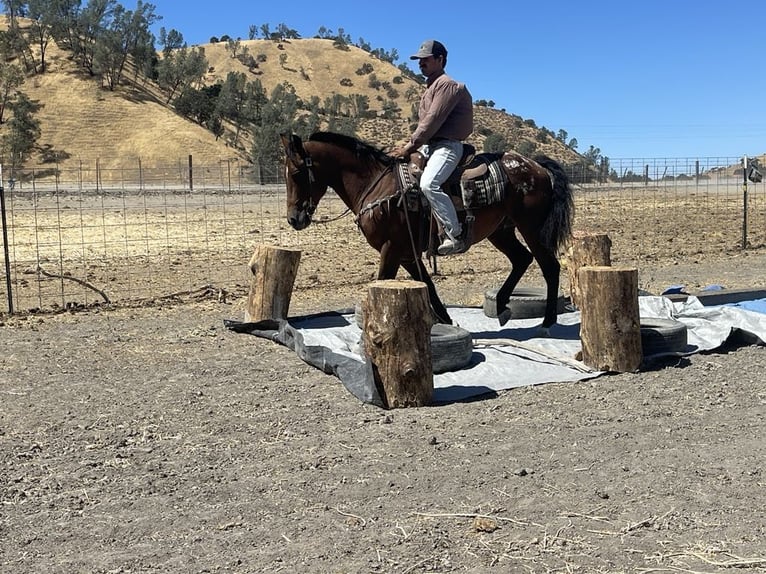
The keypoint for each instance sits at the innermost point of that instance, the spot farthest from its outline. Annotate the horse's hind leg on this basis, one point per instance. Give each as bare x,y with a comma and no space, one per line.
551,268
418,272
505,240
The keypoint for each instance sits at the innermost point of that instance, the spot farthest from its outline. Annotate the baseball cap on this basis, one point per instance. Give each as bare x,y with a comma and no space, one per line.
430,48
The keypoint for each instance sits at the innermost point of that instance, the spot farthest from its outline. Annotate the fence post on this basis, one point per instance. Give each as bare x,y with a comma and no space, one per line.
697,172
6,251
191,174
744,201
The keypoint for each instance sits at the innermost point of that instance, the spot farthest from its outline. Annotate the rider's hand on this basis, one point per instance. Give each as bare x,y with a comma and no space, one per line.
400,154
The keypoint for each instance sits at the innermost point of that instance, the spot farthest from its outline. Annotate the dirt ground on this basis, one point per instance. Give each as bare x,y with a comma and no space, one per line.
153,439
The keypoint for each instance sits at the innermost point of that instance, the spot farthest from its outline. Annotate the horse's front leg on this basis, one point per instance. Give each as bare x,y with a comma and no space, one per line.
389,262
418,272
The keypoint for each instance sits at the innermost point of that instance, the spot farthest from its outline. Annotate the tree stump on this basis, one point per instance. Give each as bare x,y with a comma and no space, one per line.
610,329
271,285
397,342
586,249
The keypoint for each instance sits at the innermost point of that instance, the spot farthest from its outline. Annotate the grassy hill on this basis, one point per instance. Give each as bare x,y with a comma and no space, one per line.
82,121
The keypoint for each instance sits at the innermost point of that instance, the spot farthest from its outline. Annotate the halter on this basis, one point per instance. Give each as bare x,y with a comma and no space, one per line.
309,175
310,178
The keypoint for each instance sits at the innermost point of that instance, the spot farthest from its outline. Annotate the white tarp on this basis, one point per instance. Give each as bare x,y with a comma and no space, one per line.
503,357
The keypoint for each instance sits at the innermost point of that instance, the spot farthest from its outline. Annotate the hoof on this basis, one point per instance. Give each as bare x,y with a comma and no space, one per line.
543,332
504,317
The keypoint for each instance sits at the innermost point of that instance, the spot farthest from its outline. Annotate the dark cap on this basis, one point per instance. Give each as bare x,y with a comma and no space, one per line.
430,48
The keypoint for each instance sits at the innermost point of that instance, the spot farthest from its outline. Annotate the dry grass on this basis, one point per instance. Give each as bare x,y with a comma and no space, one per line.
82,121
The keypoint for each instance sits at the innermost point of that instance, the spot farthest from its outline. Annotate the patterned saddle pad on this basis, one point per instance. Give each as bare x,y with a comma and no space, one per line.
479,184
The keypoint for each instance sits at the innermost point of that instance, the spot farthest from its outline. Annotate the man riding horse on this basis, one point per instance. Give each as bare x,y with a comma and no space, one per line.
445,119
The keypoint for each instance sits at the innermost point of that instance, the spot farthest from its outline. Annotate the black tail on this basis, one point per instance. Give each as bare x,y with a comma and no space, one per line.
558,226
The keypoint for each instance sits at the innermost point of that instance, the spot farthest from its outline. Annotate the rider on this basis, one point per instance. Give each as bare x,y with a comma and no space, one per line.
445,119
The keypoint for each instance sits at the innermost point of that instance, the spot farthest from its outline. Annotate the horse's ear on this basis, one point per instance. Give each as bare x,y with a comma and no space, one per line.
293,145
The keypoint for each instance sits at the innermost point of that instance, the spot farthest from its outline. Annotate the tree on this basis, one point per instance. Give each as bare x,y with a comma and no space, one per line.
278,116
526,148
603,168
287,33
11,77
592,154
43,16
89,25
562,136
197,105
342,125
66,13
233,46
181,68
128,35
233,103
363,44
172,40
495,143
22,130
360,105
14,37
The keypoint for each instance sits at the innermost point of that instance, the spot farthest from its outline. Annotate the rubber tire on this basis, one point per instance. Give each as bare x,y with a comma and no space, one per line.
451,346
660,336
525,303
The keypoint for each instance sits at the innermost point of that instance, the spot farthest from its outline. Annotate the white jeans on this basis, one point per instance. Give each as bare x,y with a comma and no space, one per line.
442,158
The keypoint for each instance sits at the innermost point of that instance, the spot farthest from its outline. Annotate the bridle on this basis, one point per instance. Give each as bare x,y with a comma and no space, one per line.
304,170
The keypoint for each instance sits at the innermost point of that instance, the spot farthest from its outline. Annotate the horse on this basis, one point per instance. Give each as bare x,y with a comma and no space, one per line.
537,201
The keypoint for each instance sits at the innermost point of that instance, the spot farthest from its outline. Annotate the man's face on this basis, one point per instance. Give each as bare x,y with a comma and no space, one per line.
430,65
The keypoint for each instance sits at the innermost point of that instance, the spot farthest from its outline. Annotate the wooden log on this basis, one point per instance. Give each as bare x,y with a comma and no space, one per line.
397,342
586,249
271,285
610,328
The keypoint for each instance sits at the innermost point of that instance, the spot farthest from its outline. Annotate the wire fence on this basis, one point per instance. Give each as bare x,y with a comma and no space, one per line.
92,234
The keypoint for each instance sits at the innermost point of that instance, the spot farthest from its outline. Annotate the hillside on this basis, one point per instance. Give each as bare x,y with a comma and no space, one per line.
81,121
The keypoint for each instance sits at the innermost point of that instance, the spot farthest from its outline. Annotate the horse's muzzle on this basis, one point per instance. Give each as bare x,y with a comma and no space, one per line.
299,219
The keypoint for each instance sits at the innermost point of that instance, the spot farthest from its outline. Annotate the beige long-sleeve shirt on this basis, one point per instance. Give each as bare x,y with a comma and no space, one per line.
446,111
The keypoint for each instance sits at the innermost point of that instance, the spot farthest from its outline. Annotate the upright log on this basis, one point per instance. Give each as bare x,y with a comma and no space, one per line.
586,249
610,328
397,342
273,272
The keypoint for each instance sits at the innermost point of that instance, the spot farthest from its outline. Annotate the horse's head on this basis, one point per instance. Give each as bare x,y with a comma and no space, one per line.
304,190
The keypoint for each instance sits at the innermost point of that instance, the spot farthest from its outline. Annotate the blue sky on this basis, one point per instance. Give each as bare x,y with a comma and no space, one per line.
637,80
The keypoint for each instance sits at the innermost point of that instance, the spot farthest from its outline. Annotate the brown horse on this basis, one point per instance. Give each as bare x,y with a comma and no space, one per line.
537,200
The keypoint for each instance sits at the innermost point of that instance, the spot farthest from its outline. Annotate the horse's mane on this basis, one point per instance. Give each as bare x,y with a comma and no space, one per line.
362,150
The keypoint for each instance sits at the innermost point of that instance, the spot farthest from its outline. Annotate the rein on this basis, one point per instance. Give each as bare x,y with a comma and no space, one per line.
336,218
402,203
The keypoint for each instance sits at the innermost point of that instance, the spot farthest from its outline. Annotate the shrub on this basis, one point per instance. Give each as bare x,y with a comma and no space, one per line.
365,68
526,147
495,143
